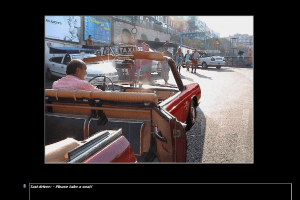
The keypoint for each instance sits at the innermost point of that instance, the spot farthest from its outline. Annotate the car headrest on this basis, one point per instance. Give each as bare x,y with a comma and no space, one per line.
68,93
126,97
102,95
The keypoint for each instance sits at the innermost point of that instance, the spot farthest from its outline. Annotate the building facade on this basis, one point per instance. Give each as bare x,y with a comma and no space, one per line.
147,29
243,39
202,27
113,30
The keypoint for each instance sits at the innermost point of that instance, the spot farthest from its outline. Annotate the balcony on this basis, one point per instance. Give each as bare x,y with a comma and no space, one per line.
123,18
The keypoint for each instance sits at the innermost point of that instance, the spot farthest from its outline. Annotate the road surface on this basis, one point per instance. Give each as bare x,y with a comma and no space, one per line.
223,132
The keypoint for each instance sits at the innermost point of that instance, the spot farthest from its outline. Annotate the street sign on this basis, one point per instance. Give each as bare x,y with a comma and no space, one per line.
217,42
192,35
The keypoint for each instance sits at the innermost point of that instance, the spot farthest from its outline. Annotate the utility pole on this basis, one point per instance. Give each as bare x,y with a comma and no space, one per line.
205,37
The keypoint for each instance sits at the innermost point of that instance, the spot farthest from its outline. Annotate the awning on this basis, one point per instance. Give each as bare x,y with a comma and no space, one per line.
70,50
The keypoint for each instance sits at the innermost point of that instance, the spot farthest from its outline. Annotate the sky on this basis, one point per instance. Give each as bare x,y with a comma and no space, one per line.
229,25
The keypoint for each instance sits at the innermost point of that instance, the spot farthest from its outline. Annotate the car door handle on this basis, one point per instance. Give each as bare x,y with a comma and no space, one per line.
159,136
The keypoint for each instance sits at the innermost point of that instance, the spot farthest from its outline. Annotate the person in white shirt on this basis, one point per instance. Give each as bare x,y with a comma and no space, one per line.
164,64
195,56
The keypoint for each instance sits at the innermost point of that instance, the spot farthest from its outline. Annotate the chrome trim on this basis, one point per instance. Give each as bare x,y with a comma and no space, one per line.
113,135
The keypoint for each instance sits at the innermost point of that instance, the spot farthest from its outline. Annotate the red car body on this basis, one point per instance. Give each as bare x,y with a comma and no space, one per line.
179,107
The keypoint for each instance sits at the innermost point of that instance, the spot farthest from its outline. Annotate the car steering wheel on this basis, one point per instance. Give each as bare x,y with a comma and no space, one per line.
103,88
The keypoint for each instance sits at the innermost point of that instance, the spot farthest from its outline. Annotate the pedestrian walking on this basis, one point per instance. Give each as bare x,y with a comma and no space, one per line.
146,65
164,64
187,60
195,55
179,58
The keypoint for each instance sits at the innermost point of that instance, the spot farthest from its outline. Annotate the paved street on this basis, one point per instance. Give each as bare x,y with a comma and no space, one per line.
223,132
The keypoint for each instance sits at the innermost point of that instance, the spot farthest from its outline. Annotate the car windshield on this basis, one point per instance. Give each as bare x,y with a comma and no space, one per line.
100,68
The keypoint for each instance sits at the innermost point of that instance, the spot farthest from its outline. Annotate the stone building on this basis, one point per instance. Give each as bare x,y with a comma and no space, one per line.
110,30
123,33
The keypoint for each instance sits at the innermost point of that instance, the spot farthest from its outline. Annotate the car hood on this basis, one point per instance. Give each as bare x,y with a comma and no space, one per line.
100,68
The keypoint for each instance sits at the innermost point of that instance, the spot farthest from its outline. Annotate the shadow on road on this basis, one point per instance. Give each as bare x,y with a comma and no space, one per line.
197,74
202,76
218,70
195,138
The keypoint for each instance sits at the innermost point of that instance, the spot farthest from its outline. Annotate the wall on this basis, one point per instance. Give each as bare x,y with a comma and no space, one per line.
62,43
151,34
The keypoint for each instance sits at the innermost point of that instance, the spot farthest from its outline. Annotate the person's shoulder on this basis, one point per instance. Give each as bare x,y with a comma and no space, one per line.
84,82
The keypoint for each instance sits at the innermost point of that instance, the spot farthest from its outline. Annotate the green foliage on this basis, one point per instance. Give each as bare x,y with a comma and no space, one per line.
224,46
193,42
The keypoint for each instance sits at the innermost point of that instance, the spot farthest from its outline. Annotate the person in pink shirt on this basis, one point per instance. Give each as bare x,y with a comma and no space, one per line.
76,70
146,65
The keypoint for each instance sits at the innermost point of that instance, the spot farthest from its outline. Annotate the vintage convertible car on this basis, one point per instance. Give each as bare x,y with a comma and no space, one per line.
135,124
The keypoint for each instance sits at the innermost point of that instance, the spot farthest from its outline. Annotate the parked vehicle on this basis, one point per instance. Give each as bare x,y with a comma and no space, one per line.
135,124
57,65
156,67
211,61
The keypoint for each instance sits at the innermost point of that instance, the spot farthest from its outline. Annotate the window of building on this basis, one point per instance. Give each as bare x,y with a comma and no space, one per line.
126,37
144,37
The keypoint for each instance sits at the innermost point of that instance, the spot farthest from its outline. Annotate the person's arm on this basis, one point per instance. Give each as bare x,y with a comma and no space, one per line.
89,87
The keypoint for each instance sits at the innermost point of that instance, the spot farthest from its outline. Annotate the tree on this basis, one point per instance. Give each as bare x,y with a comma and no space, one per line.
193,43
192,26
175,38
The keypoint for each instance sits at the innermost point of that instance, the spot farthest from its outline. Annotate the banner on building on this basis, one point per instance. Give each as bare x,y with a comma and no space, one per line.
99,29
65,28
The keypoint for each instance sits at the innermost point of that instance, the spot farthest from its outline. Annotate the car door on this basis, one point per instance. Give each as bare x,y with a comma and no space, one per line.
63,65
178,141
54,65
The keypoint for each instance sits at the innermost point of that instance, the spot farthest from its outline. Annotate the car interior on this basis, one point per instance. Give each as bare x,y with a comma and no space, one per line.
81,114
67,59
